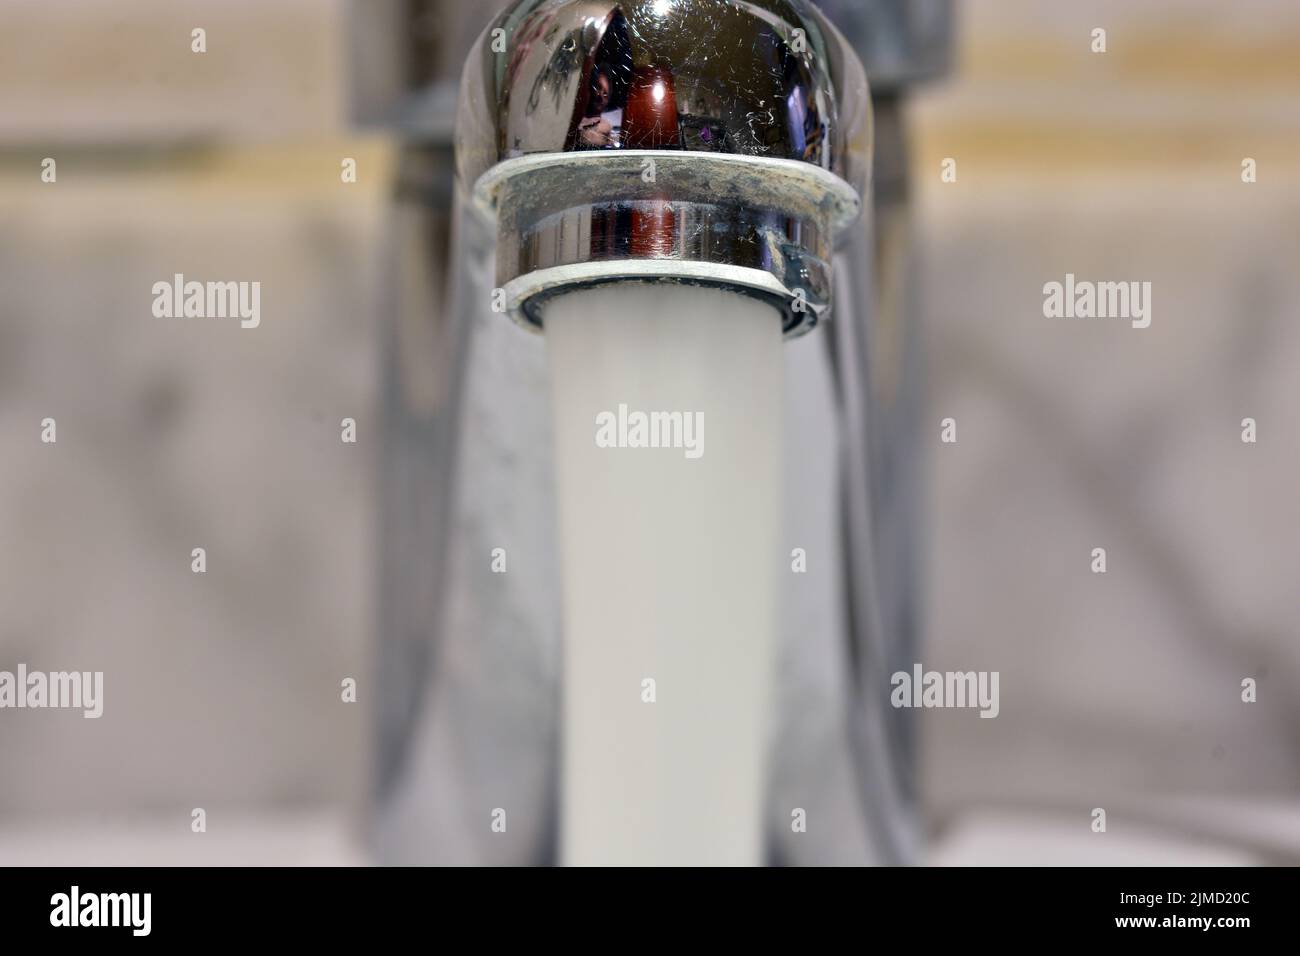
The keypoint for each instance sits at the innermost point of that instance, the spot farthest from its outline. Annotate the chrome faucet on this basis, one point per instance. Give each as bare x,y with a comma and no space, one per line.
689,141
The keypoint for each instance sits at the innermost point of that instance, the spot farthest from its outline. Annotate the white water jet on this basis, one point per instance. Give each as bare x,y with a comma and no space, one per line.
669,563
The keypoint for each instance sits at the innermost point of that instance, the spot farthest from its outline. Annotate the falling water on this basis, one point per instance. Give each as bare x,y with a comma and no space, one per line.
669,562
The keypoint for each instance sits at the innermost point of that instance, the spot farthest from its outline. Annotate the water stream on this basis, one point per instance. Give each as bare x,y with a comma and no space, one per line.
669,539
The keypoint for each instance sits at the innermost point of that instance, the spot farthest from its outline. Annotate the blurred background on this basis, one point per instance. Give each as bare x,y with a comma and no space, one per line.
1120,691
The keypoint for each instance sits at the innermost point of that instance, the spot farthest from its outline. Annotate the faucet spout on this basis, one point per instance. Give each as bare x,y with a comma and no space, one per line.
607,145
654,175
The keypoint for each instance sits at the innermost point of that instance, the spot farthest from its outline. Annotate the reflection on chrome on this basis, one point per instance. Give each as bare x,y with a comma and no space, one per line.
732,138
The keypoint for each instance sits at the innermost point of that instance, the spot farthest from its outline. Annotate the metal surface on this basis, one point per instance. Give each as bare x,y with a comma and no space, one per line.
699,140
895,420
469,685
